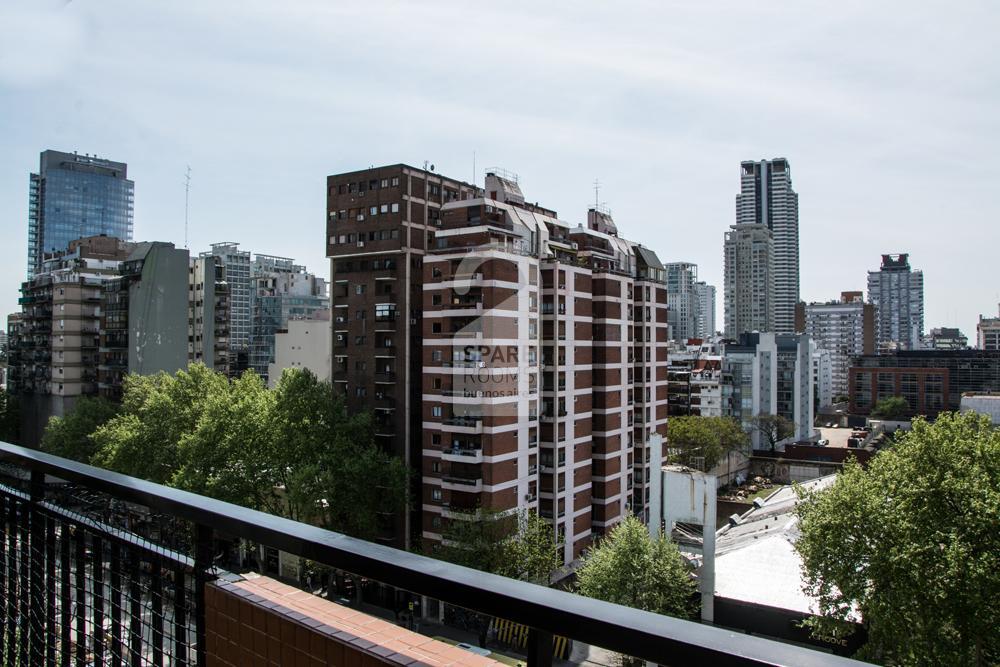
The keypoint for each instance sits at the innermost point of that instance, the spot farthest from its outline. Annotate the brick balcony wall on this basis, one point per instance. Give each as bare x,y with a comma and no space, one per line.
263,622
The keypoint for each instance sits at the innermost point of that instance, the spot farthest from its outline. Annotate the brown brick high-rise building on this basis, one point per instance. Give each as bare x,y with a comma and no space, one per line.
380,224
516,360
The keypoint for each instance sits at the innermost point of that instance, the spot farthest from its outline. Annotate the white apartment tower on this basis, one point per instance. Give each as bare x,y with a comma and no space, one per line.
749,280
766,198
705,327
682,299
897,292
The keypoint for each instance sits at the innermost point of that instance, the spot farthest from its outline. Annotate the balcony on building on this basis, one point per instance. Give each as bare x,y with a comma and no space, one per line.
98,568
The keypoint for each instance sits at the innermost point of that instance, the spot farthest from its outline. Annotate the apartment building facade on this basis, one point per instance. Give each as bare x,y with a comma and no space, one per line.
54,356
683,300
208,313
845,329
144,317
380,225
766,198
705,326
544,367
282,291
988,333
749,280
769,374
236,266
897,292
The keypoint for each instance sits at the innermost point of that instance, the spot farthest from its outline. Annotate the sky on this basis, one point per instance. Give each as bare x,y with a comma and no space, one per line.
887,113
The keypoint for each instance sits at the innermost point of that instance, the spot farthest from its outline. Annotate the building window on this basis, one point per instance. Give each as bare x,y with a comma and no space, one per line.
435,466
436,355
436,494
384,208
395,208
359,289
373,210
436,411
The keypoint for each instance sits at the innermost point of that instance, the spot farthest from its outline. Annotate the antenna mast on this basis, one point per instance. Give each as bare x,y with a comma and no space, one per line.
187,197
597,194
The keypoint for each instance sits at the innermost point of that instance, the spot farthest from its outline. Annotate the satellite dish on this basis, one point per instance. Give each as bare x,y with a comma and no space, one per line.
432,167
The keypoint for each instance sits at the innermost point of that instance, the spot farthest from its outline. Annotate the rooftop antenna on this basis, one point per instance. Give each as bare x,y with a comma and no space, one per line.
187,197
473,167
597,194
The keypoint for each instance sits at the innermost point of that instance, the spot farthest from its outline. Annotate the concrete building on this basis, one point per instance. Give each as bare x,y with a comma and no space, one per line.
682,299
236,266
984,404
705,327
769,374
931,381
945,338
208,313
766,198
75,196
988,333
845,329
54,342
303,344
749,280
822,373
897,292
282,291
694,374
544,366
144,316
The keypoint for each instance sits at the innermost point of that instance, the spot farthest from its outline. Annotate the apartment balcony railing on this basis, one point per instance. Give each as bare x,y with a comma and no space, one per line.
99,568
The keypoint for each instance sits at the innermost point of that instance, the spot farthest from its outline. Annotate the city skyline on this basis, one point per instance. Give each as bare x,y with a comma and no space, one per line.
652,119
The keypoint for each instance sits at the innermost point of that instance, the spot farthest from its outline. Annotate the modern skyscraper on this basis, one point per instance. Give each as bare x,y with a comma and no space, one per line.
73,196
682,299
897,292
766,198
706,310
749,280
845,329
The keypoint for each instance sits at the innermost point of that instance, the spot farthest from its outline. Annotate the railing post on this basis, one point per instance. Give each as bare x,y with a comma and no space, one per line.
203,562
539,648
36,581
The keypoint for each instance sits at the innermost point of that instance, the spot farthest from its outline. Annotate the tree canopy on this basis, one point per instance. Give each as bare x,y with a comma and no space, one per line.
520,545
70,436
710,437
912,544
292,451
629,567
892,408
773,428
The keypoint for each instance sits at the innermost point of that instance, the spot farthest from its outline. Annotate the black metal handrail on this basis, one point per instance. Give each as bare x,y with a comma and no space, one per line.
546,611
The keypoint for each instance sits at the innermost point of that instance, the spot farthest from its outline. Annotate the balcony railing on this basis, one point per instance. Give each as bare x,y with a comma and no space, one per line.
101,568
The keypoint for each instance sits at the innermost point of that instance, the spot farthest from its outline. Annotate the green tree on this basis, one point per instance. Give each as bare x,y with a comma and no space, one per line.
10,418
70,436
157,411
772,428
630,568
520,545
912,545
709,437
893,408
293,451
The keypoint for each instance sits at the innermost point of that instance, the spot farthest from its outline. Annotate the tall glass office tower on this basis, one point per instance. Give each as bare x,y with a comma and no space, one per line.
73,196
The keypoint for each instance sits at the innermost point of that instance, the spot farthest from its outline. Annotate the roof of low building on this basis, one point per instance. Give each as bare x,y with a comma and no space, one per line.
755,559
